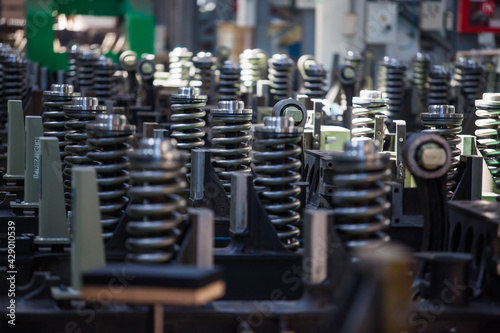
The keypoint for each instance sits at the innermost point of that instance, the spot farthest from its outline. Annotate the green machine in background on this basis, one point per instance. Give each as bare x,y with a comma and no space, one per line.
138,16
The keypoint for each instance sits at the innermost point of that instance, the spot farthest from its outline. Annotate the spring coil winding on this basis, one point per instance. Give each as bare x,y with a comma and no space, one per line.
420,66
365,108
204,63
72,73
231,140
229,81
444,122
82,111
158,177
187,119
53,116
276,164
314,79
280,75
467,76
438,85
85,70
360,195
108,141
356,60
14,76
488,124
253,64
179,64
391,81
103,79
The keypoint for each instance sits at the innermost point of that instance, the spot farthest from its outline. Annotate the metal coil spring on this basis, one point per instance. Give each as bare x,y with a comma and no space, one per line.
365,107
391,81
82,111
355,59
277,163
420,67
444,122
280,75
179,63
468,77
253,64
85,69
187,119
229,81
72,73
103,79
108,141
438,85
314,82
158,177
2,107
14,74
231,140
204,64
488,124
360,195
53,116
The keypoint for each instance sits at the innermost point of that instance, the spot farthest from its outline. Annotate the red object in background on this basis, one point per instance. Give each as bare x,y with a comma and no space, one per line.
488,8
475,16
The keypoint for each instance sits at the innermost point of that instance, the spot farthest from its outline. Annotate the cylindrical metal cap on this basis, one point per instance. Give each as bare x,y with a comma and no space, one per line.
189,94
231,107
61,90
279,125
110,123
85,104
156,150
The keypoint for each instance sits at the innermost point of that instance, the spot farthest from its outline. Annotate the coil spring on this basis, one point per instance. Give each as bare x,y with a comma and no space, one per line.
204,63
108,139
253,64
82,111
53,116
391,82
277,164
229,81
103,79
280,70
72,73
85,69
355,59
420,67
314,82
438,85
488,124
179,63
468,77
2,108
444,122
231,140
187,119
157,177
368,105
14,74
359,195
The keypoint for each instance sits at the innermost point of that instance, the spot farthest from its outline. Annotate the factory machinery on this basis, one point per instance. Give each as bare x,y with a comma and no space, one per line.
209,195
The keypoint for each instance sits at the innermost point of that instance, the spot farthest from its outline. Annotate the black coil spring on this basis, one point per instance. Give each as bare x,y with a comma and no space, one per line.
229,81
280,75
155,208
391,81
360,196
108,151
438,82
314,82
420,67
103,79
277,164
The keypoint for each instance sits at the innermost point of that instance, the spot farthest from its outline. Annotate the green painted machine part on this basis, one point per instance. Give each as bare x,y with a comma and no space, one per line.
52,226
138,17
16,141
34,130
87,249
